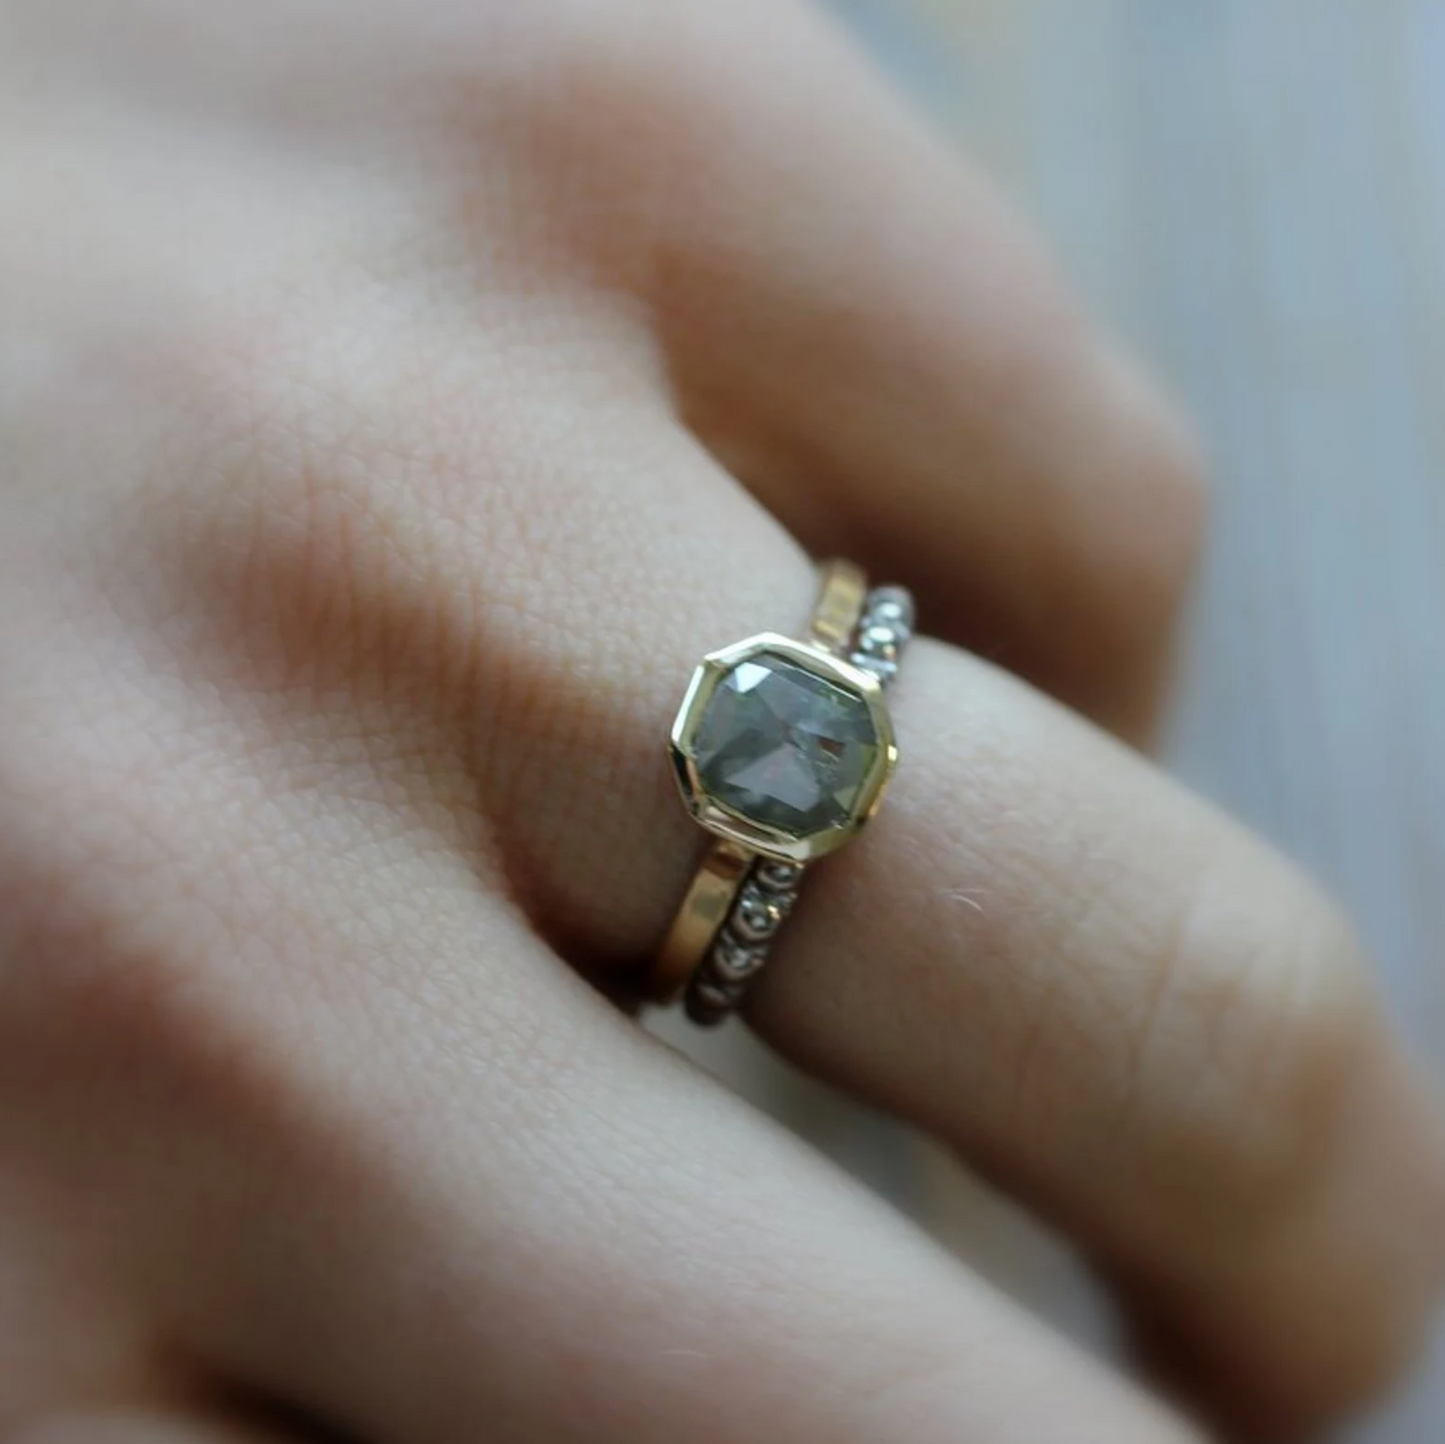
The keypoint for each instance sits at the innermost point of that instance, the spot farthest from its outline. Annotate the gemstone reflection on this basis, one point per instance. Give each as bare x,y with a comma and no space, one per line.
785,748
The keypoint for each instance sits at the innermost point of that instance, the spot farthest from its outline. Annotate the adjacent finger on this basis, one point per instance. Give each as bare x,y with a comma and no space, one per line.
863,331
373,1150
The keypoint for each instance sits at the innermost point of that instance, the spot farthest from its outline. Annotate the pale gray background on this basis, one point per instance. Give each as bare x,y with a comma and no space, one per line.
1253,191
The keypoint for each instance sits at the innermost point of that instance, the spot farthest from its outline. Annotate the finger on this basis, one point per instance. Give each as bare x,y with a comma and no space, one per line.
1140,1019
865,333
379,1154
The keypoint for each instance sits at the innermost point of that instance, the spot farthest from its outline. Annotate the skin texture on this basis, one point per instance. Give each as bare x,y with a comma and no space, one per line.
396,400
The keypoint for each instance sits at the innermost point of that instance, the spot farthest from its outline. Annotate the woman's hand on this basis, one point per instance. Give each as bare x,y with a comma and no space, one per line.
398,397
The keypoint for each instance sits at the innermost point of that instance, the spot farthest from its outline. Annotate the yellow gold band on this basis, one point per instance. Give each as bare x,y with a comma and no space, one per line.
842,593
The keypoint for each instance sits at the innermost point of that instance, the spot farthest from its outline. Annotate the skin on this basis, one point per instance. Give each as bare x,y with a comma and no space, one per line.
397,399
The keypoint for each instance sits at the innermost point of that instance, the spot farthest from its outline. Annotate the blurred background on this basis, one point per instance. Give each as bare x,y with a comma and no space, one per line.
1253,193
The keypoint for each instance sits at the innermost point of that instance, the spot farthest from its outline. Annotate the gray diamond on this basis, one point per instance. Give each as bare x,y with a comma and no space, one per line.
784,747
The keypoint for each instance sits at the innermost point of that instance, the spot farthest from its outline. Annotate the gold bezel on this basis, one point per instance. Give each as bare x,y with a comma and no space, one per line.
722,820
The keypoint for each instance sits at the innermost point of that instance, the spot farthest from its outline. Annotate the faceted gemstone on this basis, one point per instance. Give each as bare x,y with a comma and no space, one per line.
784,747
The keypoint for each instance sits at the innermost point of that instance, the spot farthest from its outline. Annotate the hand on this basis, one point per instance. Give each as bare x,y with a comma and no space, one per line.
399,397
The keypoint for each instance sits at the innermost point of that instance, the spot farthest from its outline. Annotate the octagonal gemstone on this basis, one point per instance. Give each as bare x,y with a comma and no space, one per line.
784,747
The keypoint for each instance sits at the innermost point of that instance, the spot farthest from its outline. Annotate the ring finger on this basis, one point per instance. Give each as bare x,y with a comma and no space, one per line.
1097,988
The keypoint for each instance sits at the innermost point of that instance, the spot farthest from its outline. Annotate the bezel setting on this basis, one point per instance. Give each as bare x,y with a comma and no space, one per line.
725,821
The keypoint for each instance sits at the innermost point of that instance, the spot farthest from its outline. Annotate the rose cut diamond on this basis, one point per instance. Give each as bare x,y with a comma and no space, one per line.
785,748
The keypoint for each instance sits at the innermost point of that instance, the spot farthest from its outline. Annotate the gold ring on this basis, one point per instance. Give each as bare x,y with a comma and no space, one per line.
782,750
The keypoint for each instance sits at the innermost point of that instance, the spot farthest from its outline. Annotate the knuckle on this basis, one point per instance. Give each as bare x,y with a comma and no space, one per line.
88,985
1174,493
1131,539
273,518
129,945
1255,1048
1118,544
1315,1017
1144,574
79,880
114,907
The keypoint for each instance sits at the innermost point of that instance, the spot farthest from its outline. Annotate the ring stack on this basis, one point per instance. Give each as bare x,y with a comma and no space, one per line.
782,750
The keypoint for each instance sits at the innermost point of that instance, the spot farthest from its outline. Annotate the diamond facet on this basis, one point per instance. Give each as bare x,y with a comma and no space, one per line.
784,747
